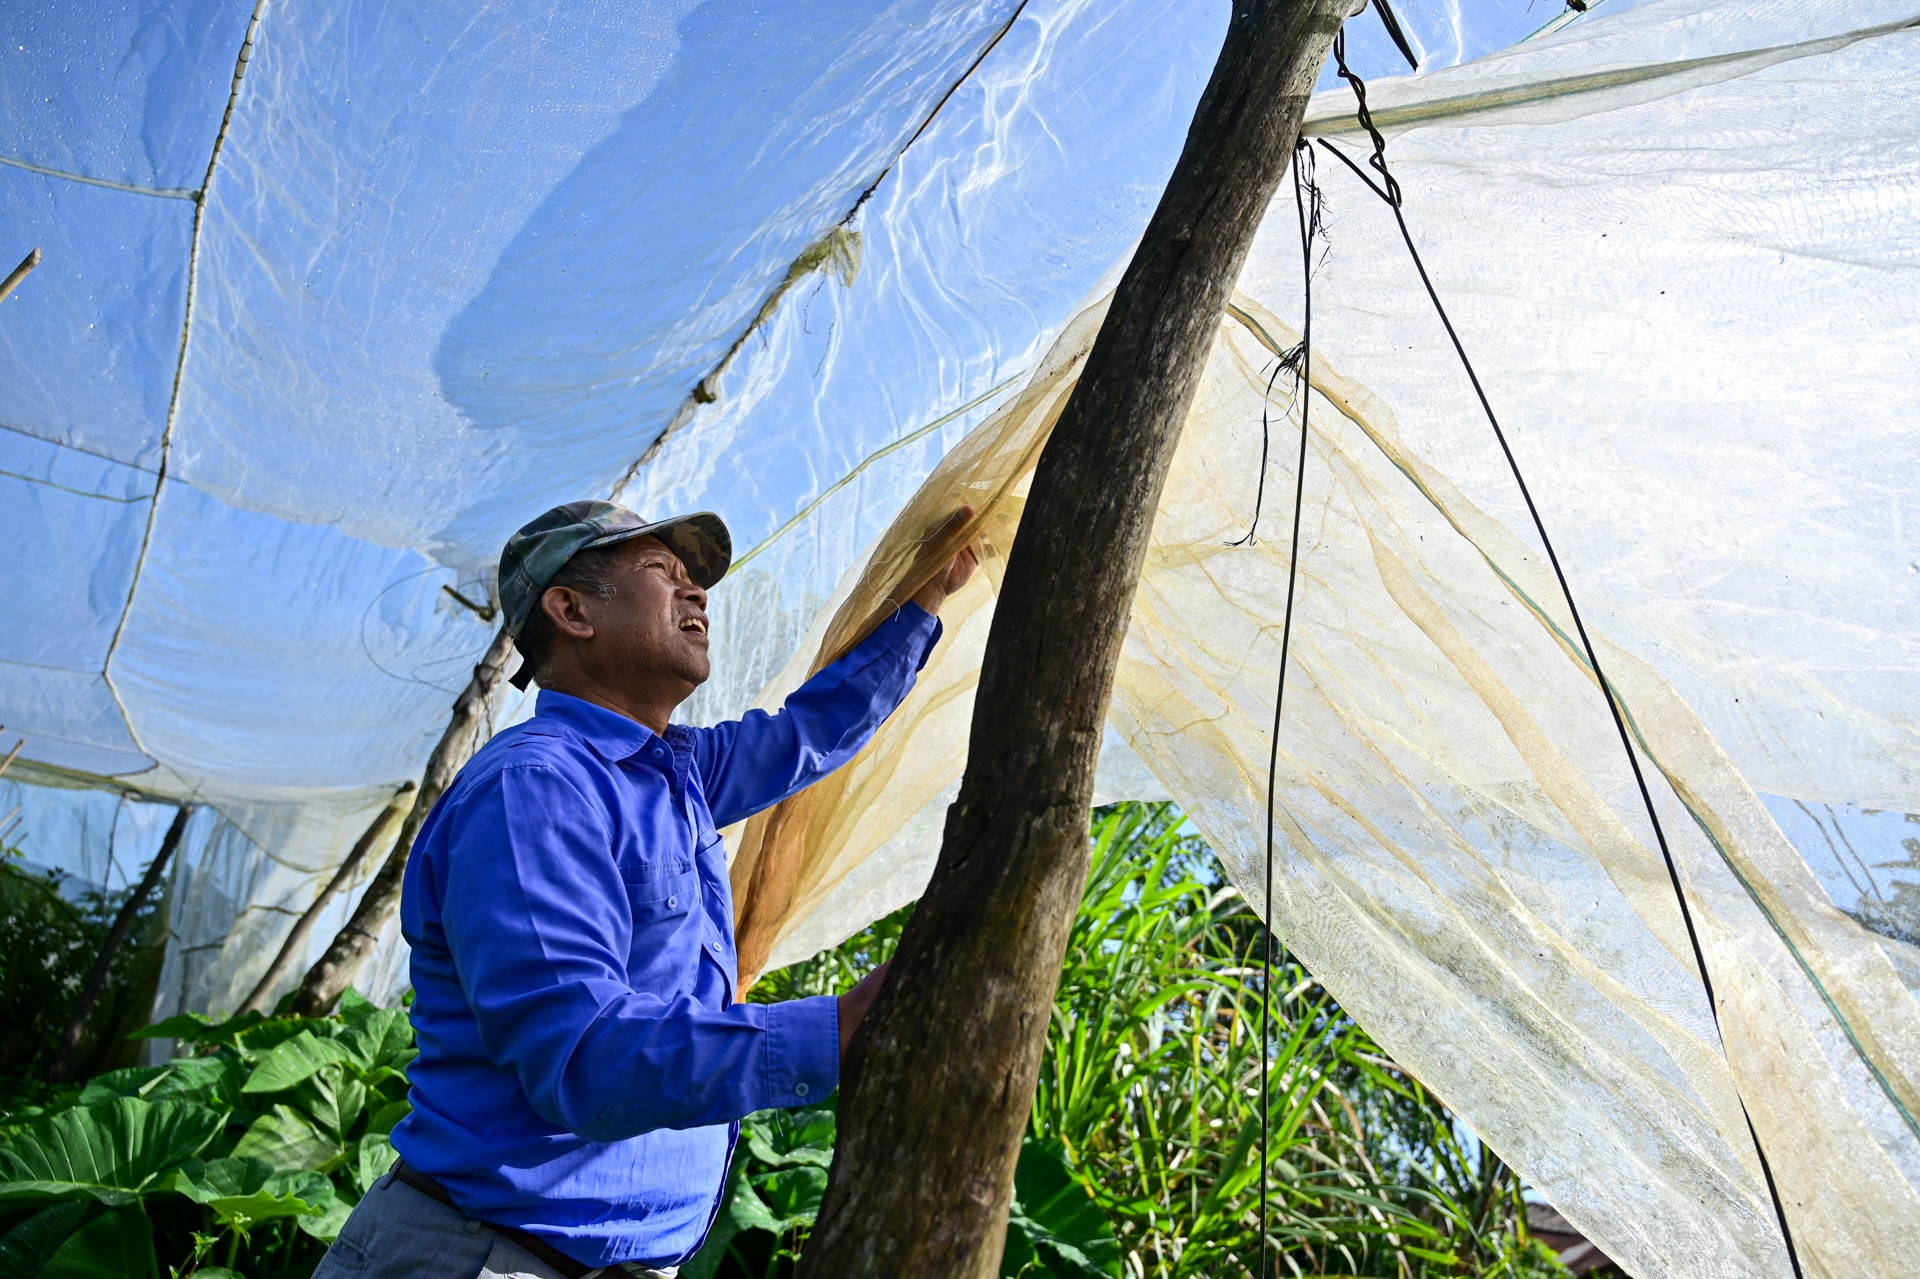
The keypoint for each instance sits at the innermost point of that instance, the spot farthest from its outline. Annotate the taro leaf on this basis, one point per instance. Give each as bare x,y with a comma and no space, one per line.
326,1224
295,1060
383,1038
1021,1259
332,1101
387,1117
792,1195
713,1252
783,1139
112,1151
195,1029
134,1081
748,1211
371,1161
243,1191
356,1007
258,1040
212,1080
288,1140
117,1242
26,1248
1060,1223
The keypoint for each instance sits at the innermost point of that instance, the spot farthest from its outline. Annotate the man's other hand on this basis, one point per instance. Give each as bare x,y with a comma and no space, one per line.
855,1003
958,570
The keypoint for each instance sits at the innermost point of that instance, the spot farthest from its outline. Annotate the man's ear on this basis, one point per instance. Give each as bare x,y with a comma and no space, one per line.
565,608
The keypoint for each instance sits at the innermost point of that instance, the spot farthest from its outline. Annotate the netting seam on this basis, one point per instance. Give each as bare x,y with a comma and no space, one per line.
166,193
180,367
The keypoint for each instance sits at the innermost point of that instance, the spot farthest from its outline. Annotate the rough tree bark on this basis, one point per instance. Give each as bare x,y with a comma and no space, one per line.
940,1078
60,1069
334,971
296,942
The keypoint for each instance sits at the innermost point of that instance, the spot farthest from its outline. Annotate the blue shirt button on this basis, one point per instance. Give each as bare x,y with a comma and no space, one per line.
800,1089
673,903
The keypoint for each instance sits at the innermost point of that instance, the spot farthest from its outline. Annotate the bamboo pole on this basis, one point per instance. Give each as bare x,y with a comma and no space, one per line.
18,274
60,1069
334,971
296,943
939,1080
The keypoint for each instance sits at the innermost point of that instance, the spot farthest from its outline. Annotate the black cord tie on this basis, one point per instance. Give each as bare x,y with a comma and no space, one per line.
1303,155
1391,196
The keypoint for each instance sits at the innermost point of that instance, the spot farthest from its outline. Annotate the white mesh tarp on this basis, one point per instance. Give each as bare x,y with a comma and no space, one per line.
453,267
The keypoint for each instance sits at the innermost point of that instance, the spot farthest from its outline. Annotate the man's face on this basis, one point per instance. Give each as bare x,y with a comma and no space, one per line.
656,624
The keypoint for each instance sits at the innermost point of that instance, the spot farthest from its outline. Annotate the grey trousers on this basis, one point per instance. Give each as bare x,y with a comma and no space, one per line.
398,1233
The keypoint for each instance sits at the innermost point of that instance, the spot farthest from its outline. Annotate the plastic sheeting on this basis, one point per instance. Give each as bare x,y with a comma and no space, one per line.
450,270
1690,291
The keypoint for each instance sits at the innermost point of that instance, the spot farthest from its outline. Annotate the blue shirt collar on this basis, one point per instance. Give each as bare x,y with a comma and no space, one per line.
612,735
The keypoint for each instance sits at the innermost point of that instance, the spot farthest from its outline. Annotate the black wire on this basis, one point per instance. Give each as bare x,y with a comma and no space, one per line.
1260,493
1392,198
1304,393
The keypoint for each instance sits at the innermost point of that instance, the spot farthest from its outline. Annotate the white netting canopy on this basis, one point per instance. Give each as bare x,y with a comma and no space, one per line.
308,342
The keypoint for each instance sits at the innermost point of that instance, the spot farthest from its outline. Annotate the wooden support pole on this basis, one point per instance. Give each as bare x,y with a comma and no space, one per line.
60,1069
296,943
18,274
334,971
940,1078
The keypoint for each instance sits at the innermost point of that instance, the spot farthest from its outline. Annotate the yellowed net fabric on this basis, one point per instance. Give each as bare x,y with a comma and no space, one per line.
1681,250
1463,857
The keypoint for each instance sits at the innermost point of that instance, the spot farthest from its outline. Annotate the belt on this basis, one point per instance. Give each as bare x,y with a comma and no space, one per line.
539,1247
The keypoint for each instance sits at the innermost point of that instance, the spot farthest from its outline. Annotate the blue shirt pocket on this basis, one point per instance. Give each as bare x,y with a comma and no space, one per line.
664,956
654,884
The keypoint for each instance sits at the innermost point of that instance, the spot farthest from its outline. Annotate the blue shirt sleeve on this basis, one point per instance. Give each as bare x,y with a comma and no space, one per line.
761,759
538,923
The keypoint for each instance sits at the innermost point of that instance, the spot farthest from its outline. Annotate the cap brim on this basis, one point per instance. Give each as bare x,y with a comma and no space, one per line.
701,540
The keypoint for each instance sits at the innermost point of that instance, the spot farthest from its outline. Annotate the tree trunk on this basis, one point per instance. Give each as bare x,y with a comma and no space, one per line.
940,1078
296,942
334,971
60,1069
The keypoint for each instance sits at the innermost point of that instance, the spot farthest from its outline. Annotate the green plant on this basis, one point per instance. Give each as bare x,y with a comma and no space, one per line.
1149,1092
47,945
1056,1230
244,1156
253,1151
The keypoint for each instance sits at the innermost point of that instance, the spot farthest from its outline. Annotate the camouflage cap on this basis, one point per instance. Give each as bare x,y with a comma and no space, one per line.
536,553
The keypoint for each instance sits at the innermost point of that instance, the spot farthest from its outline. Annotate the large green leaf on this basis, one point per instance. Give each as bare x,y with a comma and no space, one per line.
113,1151
29,1245
785,1138
381,1038
118,1244
242,1191
288,1140
371,1161
332,1100
741,1201
134,1081
745,1209
327,1223
294,1061
194,1028
384,1120
214,1081
792,1195
1058,1220
256,1041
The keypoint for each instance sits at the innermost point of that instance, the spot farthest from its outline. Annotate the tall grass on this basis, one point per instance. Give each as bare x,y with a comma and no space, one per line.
1151,1083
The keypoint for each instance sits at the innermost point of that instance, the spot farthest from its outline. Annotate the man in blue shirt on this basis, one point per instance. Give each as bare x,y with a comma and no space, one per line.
582,1060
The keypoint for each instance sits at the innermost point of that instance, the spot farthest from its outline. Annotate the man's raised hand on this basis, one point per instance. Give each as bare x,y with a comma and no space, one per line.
958,570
